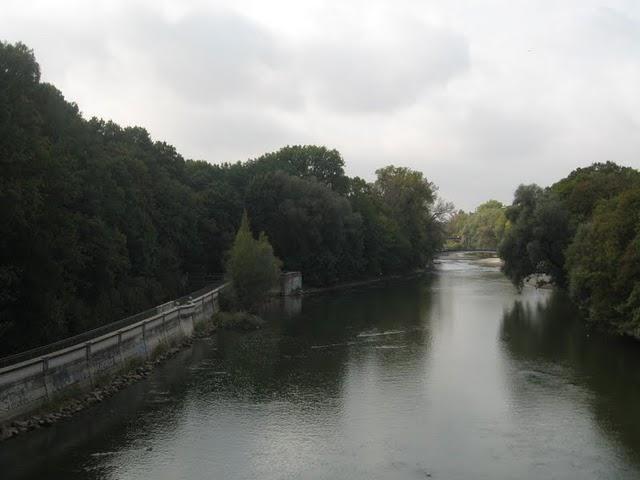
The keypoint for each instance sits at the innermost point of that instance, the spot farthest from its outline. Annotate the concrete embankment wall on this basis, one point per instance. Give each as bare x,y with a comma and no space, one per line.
290,283
28,384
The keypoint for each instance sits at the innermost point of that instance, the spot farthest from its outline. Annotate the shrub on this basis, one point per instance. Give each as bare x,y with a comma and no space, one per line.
238,321
252,268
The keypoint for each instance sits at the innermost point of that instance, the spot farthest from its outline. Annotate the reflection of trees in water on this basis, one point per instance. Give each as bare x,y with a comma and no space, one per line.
553,331
284,360
59,451
273,364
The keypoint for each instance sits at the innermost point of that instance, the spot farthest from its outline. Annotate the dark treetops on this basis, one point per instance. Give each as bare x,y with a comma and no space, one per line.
98,221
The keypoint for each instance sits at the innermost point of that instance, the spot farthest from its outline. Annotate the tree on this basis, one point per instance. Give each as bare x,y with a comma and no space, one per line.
312,227
603,262
514,250
544,222
483,228
584,232
252,267
305,161
98,221
409,199
583,188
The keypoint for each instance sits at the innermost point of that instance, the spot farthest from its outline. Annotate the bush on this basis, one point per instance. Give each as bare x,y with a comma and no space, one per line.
238,321
252,268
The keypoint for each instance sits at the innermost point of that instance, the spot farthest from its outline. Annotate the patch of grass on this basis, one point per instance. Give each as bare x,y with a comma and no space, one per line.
159,350
201,327
132,363
104,378
59,400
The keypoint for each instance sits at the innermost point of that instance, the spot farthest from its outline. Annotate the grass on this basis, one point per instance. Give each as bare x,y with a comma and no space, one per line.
160,349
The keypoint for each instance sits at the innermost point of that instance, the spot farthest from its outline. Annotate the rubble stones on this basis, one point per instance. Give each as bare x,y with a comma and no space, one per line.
77,404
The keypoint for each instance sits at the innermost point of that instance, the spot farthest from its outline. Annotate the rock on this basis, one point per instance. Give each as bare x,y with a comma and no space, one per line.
8,432
21,424
45,422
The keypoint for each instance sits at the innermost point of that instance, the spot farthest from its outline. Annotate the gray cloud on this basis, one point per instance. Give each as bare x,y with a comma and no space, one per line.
479,97
212,57
356,75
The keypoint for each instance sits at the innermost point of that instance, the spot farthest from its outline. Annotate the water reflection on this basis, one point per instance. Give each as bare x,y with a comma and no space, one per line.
83,446
454,375
562,366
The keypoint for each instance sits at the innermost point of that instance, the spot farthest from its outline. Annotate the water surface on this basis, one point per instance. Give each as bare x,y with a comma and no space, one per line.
452,376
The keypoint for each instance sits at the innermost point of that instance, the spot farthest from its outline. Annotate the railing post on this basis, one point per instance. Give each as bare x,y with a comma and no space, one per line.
164,326
144,339
48,389
120,347
87,352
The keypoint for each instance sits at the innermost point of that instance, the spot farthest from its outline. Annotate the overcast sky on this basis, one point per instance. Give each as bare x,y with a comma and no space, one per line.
479,95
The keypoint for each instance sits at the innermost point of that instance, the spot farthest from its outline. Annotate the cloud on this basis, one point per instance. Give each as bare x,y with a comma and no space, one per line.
357,74
222,57
211,57
481,96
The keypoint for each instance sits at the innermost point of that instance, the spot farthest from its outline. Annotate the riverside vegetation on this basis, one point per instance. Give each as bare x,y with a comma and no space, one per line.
98,221
252,270
583,232
482,229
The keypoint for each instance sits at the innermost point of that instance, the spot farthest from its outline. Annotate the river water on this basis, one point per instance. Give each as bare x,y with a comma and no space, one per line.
450,376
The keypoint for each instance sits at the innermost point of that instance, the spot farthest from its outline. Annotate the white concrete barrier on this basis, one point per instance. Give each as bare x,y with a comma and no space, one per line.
28,384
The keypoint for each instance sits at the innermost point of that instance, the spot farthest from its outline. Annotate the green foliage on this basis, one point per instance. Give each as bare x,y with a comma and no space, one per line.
538,236
604,261
252,267
306,161
581,191
312,227
482,229
243,321
514,249
584,232
414,220
98,221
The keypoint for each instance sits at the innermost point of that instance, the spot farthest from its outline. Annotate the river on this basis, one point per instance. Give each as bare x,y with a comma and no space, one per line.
451,376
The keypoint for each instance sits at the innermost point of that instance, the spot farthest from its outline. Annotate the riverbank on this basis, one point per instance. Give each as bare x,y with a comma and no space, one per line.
75,400
241,406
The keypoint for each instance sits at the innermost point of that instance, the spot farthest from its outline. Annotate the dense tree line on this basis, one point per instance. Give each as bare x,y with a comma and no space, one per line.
583,232
482,229
99,221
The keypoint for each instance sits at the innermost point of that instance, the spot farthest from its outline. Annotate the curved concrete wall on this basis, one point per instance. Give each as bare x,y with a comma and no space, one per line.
27,385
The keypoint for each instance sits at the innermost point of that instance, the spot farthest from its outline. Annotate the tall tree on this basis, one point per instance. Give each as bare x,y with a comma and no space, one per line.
252,267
